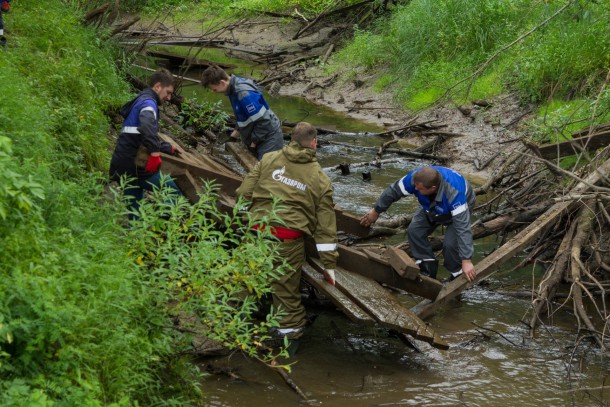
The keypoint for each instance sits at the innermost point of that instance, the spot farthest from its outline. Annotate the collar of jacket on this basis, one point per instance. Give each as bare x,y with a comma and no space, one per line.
296,153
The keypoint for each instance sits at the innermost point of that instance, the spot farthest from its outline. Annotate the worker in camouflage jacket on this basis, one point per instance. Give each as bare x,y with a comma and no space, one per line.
294,175
257,125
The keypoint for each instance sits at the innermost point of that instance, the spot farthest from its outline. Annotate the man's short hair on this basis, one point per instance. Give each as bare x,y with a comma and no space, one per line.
427,176
213,75
303,133
162,76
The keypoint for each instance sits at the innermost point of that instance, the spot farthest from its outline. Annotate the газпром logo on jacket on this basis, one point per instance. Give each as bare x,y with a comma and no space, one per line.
278,175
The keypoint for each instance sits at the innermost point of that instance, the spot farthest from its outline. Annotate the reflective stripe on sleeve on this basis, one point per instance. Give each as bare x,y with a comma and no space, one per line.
459,209
326,247
402,186
253,117
150,109
131,130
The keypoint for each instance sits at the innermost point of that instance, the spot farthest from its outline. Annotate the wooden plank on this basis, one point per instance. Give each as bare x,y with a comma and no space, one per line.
402,263
356,261
228,182
383,306
350,223
241,154
507,251
375,256
188,185
353,311
574,146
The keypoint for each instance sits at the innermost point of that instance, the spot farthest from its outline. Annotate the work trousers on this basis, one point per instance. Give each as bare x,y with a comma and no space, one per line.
134,192
421,249
286,294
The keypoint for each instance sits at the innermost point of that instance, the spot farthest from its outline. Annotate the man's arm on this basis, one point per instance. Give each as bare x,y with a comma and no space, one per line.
391,194
148,130
325,233
246,189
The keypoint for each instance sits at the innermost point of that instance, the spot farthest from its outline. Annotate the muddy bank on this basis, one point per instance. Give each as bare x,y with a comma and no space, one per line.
293,68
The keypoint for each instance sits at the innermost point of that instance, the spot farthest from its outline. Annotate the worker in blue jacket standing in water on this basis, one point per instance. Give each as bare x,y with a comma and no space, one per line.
5,7
257,125
140,128
445,197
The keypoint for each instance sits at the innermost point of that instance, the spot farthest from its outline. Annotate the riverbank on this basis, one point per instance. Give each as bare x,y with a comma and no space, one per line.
486,128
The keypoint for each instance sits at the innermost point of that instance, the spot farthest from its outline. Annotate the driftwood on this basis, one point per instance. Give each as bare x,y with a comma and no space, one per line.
376,163
329,13
407,153
96,13
125,25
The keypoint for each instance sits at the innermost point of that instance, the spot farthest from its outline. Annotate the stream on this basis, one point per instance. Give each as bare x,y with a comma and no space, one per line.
492,361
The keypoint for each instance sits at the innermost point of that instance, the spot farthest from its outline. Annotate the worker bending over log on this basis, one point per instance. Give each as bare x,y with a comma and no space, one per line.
294,175
257,125
445,197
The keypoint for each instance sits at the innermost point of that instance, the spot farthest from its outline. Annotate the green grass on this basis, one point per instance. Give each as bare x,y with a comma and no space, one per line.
81,321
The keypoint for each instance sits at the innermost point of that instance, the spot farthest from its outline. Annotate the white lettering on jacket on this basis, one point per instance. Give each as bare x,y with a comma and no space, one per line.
278,175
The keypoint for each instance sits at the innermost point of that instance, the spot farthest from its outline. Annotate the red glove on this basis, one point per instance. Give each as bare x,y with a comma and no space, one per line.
5,6
153,164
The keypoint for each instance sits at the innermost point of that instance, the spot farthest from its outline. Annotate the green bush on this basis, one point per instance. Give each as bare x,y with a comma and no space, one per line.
203,116
209,264
78,323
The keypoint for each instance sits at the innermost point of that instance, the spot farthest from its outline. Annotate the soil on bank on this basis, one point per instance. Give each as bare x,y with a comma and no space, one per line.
489,132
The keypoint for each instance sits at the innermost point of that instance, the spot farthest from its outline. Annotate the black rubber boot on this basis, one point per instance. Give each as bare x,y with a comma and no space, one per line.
428,268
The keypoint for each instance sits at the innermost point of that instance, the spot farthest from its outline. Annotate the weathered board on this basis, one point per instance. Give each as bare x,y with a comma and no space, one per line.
353,312
575,146
401,263
241,154
228,182
383,306
357,261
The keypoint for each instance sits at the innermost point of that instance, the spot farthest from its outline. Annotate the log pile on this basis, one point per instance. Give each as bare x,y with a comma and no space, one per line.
563,215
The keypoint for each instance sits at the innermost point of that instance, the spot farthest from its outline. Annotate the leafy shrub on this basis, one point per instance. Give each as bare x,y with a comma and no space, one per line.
210,264
203,116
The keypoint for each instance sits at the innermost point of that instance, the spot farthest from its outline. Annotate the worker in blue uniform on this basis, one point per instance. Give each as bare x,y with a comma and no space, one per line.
445,197
140,130
257,126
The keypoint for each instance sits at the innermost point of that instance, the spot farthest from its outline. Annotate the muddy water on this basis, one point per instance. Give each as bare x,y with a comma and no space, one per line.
492,360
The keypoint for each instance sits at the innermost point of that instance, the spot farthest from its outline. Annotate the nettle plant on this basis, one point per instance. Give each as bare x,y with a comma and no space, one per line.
203,115
209,267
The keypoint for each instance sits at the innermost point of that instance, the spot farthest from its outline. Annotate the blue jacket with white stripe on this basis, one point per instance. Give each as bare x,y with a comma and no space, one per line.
450,205
256,121
140,128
